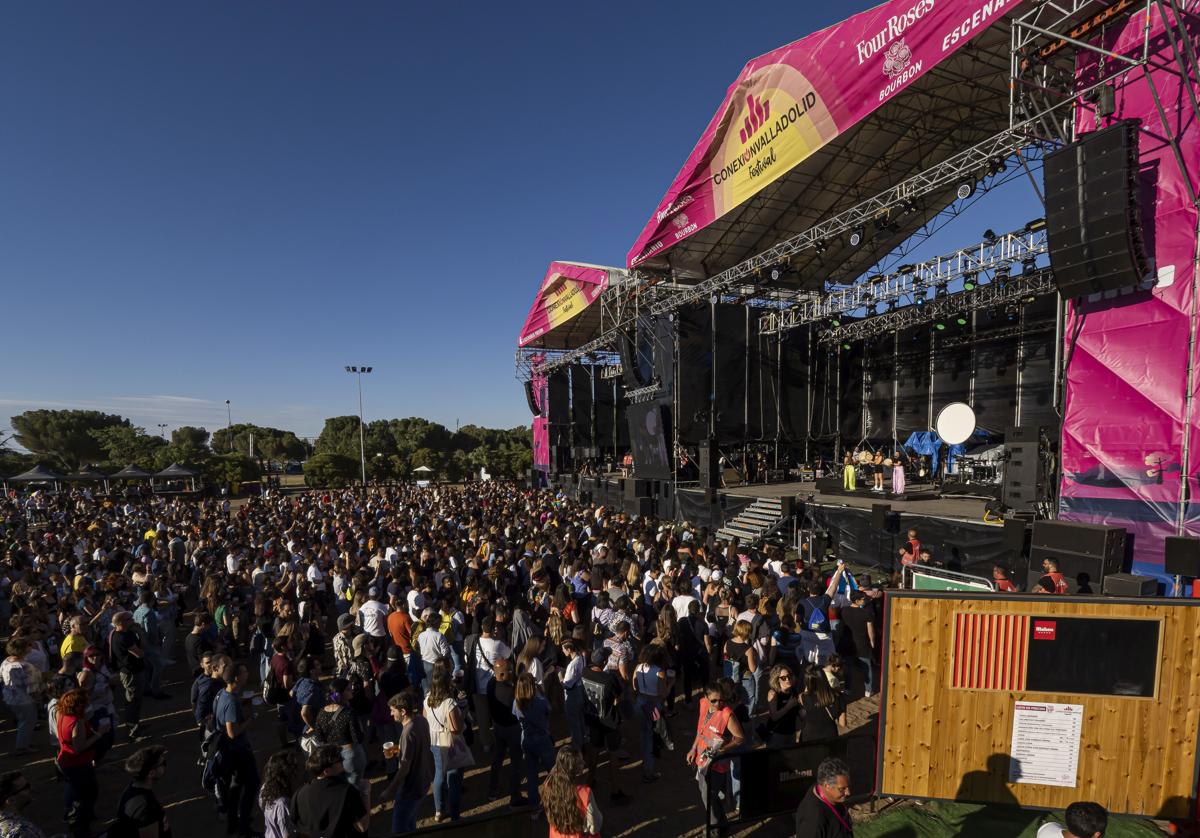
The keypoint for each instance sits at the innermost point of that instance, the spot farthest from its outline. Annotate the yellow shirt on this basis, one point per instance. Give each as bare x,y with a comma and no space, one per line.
73,643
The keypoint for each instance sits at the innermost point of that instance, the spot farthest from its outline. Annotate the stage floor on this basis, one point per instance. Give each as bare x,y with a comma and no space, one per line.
960,508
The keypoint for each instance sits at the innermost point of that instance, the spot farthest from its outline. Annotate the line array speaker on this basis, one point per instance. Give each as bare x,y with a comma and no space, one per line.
1095,540
710,476
1093,224
533,406
1182,556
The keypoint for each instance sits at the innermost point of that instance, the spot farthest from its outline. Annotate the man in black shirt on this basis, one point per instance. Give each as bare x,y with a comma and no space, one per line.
501,692
860,628
601,699
822,813
126,653
198,642
329,805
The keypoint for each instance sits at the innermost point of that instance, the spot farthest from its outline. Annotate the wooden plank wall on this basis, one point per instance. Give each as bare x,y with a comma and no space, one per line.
1137,755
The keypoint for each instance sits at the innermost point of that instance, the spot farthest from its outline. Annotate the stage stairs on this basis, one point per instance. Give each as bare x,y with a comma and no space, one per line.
757,522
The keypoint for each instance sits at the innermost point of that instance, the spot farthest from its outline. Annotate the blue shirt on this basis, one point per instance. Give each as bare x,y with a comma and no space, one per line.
228,708
308,693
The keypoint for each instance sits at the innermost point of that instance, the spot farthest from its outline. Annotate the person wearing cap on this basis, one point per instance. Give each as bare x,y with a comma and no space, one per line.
1084,820
343,649
373,614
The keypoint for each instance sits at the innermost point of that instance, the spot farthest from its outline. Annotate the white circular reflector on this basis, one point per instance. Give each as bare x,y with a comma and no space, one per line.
955,423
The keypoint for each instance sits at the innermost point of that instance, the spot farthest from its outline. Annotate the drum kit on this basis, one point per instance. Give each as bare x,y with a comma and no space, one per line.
955,425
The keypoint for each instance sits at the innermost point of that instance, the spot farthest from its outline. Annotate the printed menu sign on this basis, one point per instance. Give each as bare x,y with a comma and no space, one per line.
1045,743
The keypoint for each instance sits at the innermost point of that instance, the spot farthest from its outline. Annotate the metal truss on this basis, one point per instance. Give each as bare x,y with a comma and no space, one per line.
911,283
1016,289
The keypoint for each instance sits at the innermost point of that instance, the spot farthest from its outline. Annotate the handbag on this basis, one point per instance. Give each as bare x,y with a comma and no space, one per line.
459,755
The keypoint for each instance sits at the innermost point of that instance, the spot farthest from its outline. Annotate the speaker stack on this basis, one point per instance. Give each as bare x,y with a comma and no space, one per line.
1086,553
1023,486
1093,225
710,467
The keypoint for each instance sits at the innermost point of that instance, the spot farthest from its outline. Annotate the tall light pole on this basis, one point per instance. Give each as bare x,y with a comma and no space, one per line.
229,424
358,373
162,429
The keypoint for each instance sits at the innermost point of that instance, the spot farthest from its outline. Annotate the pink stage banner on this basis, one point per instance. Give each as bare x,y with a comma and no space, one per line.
1126,413
789,103
541,424
565,292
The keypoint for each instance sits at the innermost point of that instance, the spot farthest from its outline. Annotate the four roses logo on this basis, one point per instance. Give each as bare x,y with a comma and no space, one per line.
897,57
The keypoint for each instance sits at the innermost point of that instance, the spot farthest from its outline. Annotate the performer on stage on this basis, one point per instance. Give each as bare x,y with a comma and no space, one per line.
898,473
848,471
877,471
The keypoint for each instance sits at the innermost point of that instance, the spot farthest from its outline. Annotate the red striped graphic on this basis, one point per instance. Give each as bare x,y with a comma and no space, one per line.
990,652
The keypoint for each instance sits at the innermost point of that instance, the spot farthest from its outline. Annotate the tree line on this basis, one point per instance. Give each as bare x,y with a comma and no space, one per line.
71,440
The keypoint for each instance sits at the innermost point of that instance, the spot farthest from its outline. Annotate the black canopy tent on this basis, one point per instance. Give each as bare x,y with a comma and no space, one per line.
177,472
38,474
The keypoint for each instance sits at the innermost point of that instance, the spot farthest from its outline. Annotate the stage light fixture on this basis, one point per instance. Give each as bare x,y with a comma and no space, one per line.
939,290
966,188
989,236
961,320
909,206
939,326
969,280
856,236
906,269
835,322
1028,266
998,165
846,346
776,273
1029,298
1035,225
820,246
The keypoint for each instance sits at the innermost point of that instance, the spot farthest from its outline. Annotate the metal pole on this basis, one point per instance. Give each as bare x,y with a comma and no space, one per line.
362,445
229,424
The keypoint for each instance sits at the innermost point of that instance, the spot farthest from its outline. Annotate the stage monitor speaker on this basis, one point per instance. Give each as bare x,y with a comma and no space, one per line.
645,507
1130,584
787,506
1182,556
637,488
879,516
1014,538
710,474
1022,433
1085,574
1093,224
1095,540
533,405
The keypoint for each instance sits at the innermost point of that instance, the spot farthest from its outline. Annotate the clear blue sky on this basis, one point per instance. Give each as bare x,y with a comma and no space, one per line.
234,200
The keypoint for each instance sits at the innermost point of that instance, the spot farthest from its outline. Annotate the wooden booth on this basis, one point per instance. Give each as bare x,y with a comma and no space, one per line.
1040,701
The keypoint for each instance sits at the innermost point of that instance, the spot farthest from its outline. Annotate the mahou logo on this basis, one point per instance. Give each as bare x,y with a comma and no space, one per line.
680,221
897,57
758,111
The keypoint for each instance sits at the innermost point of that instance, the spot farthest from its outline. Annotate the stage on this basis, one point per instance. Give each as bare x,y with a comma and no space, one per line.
957,508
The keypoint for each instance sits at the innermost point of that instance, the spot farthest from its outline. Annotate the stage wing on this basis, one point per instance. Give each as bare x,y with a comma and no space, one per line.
823,123
561,317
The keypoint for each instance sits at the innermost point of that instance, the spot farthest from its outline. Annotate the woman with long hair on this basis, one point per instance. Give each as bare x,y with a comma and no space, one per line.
282,776
783,707
337,725
20,681
824,708
76,760
742,662
530,661
445,722
569,802
533,712
651,683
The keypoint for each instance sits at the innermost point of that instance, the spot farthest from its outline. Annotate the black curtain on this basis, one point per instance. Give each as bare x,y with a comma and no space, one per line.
582,405
995,371
606,407
795,381
729,352
1037,363
880,368
763,359
850,375
912,383
951,368
693,378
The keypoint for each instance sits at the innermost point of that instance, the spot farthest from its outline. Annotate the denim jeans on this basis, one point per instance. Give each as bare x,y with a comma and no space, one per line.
539,754
644,707
404,814
447,785
354,760
26,718
574,712
868,665
79,797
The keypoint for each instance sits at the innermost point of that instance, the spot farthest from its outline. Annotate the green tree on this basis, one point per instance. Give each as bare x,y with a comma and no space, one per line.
190,436
229,470
65,436
125,445
329,470
339,436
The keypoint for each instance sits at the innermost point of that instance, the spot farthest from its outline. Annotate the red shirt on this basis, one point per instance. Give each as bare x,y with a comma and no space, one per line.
68,757
399,625
1005,586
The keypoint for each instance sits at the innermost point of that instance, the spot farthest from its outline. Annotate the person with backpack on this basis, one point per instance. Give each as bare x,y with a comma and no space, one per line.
602,691
482,653
139,808
742,663
813,618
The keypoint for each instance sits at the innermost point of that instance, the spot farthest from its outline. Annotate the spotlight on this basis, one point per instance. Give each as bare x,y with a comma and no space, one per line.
939,290
909,206
776,273
966,189
1035,225
961,320
989,236
856,236
939,326
997,165
845,346
892,306
919,299
1029,298
969,280
1028,266
883,221
906,269
835,322
820,246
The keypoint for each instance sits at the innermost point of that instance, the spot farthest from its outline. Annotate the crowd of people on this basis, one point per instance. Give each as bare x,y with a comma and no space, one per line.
396,639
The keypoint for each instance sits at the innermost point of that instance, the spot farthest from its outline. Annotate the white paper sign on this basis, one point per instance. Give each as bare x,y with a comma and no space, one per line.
1045,743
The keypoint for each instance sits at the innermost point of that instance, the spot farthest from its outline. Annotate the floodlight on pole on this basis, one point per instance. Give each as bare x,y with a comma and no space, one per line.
358,372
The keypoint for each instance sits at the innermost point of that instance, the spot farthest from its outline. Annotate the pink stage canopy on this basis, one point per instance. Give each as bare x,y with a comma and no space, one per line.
789,104
569,288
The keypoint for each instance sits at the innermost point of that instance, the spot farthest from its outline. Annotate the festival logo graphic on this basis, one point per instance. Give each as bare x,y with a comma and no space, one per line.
897,57
758,111
680,221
